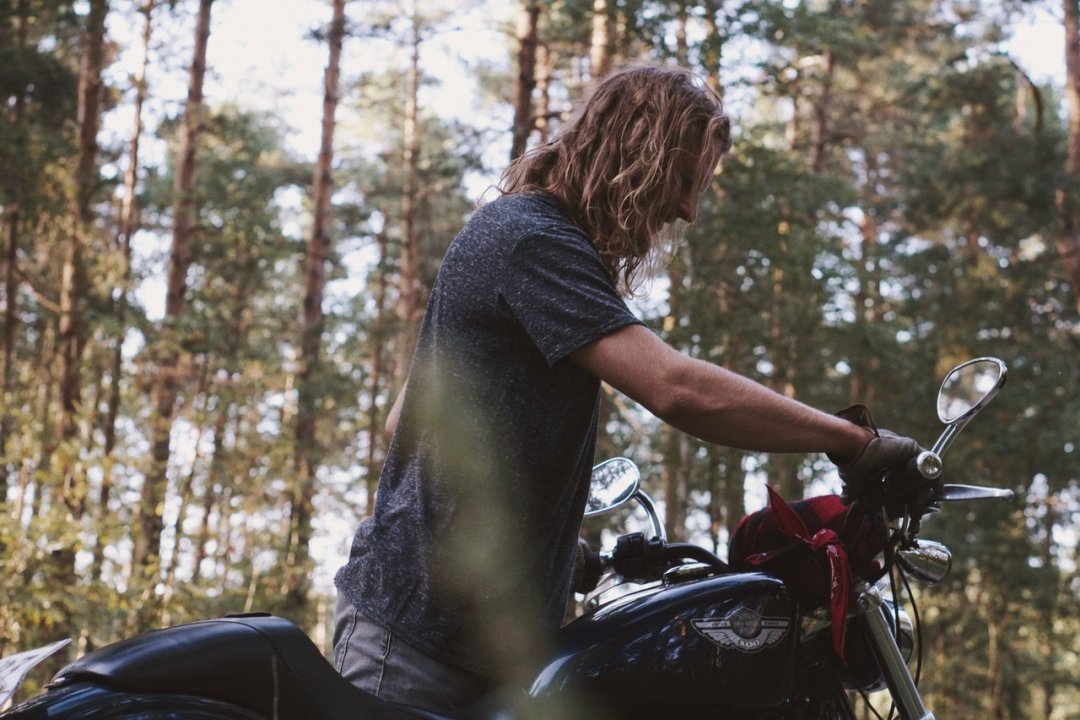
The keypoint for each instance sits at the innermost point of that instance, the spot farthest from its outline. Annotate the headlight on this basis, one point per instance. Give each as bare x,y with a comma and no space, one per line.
928,562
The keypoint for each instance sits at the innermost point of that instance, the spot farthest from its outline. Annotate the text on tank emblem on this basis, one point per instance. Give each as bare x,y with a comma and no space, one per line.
744,630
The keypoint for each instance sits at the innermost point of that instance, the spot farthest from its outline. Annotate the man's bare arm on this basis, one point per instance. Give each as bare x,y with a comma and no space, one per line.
711,403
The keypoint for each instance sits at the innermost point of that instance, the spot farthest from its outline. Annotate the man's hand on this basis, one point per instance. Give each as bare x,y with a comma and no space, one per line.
883,451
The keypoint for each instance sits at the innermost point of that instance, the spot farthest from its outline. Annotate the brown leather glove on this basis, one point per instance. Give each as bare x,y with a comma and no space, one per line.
884,452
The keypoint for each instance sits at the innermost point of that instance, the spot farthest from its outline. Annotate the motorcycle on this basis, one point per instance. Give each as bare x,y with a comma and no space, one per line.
693,637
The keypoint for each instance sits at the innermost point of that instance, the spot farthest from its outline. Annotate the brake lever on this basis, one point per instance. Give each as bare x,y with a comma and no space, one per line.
953,493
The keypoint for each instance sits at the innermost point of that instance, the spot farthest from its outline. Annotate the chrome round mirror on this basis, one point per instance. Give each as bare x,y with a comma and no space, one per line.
614,482
969,387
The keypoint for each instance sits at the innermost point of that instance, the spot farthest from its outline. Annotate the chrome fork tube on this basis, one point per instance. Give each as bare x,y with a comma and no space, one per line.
870,608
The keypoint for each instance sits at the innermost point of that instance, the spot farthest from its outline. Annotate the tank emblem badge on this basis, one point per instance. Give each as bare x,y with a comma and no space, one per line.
744,630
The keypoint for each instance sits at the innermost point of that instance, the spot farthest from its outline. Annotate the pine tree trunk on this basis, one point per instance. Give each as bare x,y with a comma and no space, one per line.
734,490
545,67
12,220
411,306
128,223
994,663
602,42
378,351
867,302
714,486
821,113
676,449
712,50
11,329
1069,195
674,442
72,280
1047,612
793,129
146,558
783,469
217,482
215,485
682,46
524,119
46,362
72,490
732,484
224,532
305,456
184,492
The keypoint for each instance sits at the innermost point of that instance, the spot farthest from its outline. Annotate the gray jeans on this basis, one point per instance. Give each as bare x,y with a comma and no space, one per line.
379,663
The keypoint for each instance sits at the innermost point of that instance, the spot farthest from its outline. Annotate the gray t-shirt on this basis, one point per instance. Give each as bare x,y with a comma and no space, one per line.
480,501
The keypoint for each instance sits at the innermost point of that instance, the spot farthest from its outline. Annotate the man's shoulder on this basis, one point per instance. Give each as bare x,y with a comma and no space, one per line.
521,228
531,211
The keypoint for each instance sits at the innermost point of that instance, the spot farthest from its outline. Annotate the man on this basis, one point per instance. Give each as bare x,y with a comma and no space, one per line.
465,565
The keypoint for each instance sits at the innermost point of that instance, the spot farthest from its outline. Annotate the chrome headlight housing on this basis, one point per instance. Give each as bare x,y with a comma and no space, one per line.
927,561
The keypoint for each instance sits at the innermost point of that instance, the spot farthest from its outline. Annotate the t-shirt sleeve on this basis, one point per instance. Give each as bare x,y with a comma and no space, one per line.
559,290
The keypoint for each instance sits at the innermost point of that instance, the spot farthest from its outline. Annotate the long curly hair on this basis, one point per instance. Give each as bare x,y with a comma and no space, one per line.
619,167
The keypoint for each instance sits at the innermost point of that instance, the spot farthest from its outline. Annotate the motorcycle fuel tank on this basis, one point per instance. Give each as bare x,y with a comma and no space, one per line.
724,644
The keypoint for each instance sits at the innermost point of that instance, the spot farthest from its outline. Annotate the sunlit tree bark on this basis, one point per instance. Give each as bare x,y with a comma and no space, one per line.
12,221
71,492
214,489
72,288
821,113
128,223
146,556
524,118
867,304
305,444
728,491
545,63
184,493
376,379
1069,196
410,305
603,41
712,49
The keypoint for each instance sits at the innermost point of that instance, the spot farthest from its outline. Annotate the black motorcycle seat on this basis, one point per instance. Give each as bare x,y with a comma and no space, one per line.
263,663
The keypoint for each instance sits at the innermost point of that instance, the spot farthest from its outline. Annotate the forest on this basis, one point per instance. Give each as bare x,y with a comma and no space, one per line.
203,327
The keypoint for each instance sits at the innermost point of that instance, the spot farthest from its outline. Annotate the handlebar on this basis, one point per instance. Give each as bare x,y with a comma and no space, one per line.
916,491
636,557
928,465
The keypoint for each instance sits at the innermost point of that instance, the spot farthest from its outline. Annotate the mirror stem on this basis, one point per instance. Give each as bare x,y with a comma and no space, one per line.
951,431
650,510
